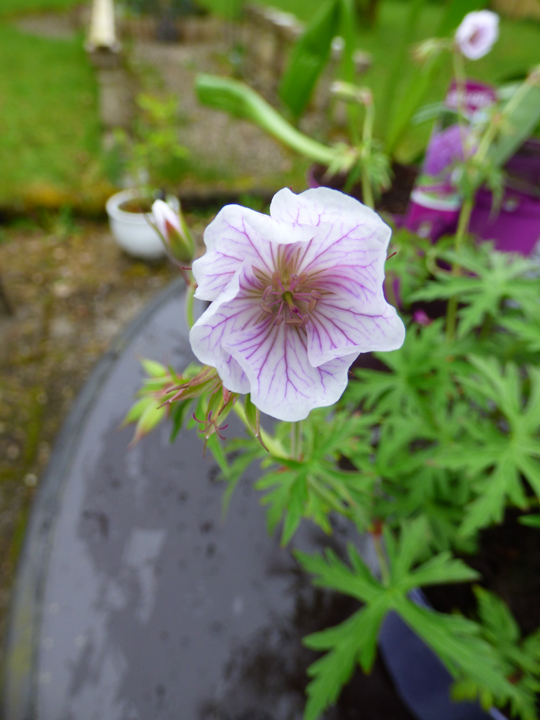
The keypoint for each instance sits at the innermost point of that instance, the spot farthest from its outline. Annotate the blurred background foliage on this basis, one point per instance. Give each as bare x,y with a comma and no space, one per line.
49,129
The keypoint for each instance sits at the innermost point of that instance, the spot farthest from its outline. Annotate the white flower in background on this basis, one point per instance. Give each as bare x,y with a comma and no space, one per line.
173,231
477,33
296,297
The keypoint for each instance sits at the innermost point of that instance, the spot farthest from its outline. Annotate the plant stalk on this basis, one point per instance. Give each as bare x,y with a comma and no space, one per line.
367,134
274,446
462,229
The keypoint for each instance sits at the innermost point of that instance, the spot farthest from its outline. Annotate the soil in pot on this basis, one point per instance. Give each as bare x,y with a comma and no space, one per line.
136,205
509,563
394,200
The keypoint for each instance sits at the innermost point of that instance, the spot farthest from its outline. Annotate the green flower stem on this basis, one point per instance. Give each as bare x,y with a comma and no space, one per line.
462,229
459,74
190,292
367,190
238,99
381,557
296,440
275,448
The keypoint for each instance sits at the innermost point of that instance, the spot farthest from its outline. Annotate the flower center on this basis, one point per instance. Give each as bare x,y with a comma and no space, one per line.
289,299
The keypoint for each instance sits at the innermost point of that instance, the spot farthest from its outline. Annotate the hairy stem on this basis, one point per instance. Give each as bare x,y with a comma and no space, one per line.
367,133
190,292
274,446
462,229
381,557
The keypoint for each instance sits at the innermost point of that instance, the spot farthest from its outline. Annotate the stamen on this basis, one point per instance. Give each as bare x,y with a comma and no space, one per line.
278,320
277,280
294,321
295,280
304,322
267,291
266,309
312,304
316,294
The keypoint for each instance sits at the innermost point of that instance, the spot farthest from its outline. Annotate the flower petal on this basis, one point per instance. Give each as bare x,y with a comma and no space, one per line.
230,240
235,235
226,314
338,328
320,205
283,383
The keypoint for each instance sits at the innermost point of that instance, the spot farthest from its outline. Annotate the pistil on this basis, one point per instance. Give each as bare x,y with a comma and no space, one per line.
288,292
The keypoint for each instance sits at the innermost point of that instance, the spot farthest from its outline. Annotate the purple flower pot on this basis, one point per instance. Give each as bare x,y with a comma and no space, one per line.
515,228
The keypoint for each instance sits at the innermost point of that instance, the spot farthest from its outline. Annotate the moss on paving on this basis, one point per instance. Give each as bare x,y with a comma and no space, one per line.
10,8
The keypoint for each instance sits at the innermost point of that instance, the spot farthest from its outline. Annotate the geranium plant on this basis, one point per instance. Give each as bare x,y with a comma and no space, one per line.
424,453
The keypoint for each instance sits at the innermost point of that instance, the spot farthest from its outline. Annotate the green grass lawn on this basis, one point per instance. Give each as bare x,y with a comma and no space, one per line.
49,128
15,7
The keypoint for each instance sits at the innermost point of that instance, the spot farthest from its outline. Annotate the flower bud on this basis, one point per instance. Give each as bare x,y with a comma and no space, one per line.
351,93
173,231
428,50
477,33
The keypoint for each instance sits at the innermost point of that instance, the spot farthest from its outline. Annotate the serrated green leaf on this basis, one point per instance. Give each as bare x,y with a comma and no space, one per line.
136,410
217,451
530,520
151,416
440,569
180,410
496,617
355,639
333,573
153,368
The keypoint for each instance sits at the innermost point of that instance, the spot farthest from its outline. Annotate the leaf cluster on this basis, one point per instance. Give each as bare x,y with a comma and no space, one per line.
465,646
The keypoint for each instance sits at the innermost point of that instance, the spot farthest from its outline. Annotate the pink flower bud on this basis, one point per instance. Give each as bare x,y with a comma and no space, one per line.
421,318
477,33
174,232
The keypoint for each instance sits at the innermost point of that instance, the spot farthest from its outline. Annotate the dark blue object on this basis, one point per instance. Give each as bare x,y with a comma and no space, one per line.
421,679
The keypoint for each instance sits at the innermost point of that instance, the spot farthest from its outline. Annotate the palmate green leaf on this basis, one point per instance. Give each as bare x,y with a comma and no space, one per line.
530,520
498,621
333,573
334,669
459,644
412,546
420,380
406,267
241,453
496,454
492,278
355,639
501,630
527,330
313,486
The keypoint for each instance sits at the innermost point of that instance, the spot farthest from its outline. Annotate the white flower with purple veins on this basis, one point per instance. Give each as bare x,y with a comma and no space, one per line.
477,33
296,297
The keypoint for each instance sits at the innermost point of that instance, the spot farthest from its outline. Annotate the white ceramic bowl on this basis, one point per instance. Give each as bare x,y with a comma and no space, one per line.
132,231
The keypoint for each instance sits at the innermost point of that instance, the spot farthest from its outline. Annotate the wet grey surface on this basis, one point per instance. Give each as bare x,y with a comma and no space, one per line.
138,601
